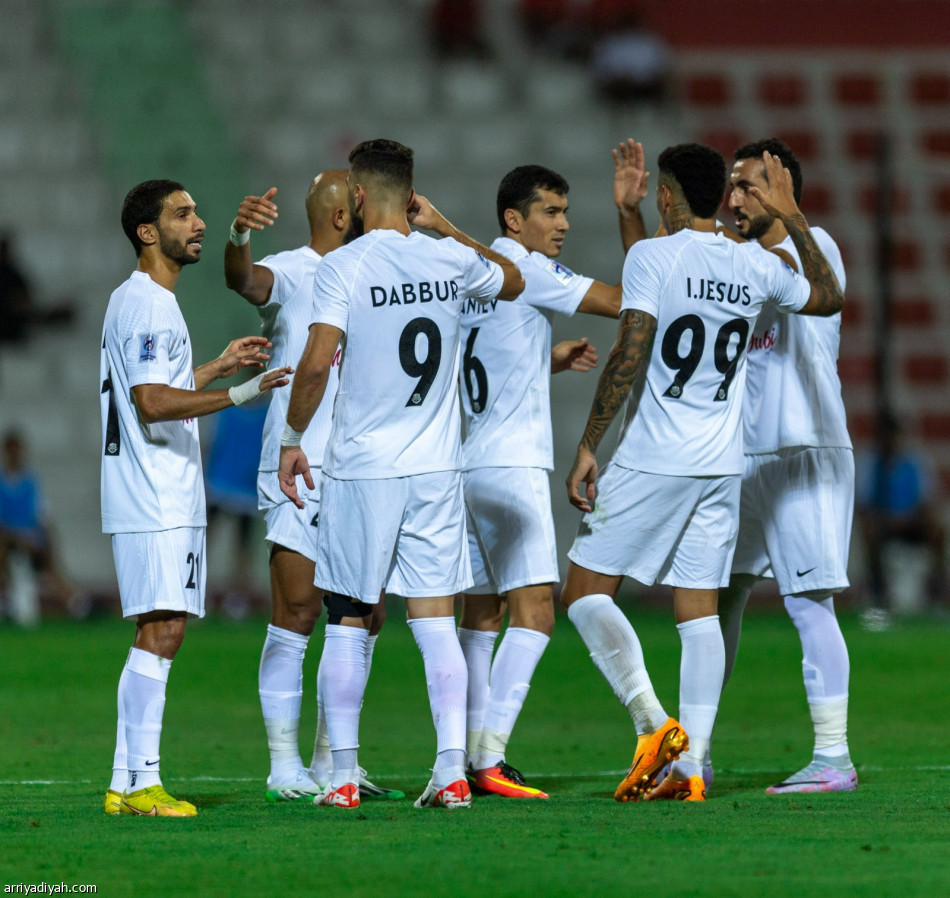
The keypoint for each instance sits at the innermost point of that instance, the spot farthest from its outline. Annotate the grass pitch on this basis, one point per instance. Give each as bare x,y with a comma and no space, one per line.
891,837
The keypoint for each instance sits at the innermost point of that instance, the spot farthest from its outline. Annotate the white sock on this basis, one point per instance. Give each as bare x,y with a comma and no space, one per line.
701,668
280,684
142,692
449,768
321,764
120,761
826,669
343,682
368,652
615,650
477,647
447,683
511,672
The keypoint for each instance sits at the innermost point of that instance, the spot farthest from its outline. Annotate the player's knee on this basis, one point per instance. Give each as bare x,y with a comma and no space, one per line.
340,606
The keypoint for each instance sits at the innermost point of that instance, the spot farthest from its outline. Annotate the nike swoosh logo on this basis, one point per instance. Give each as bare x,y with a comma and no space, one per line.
513,785
150,763
802,573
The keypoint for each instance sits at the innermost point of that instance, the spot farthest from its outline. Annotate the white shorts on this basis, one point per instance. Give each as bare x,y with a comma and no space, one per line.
656,528
510,529
163,570
795,519
406,534
287,525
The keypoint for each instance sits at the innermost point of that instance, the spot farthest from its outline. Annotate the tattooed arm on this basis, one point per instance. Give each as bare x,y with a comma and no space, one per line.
826,296
625,366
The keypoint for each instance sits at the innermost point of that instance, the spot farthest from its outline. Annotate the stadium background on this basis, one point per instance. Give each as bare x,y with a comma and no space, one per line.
234,97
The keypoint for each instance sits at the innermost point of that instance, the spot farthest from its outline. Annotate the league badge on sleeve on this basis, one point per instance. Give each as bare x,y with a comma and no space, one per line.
561,272
147,351
485,261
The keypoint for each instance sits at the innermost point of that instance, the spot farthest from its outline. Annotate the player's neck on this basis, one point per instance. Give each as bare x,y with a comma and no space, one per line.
160,269
677,221
385,219
774,235
323,243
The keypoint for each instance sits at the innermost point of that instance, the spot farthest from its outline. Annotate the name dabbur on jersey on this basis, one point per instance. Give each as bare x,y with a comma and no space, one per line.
407,294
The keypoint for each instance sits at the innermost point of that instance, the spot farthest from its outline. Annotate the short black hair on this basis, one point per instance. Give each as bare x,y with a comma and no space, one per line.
519,189
143,205
778,148
700,172
388,162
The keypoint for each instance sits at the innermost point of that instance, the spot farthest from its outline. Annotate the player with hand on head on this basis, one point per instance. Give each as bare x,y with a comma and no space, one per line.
392,510
280,286
153,500
666,508
798,487
508,451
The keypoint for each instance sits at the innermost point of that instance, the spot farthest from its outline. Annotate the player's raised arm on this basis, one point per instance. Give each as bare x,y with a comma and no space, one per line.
630,188
253,282
826,296
423,214
625,365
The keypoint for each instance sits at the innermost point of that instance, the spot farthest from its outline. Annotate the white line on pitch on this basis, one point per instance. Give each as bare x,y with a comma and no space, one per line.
556,775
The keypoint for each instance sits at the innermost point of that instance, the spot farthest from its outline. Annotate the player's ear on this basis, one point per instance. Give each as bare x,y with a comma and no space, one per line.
513,220
412,198
339,218
147,234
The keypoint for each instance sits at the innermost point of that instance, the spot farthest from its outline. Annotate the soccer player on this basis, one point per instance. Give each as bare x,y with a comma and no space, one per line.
666,507
508,451
798,487
392,509
153,500
281,287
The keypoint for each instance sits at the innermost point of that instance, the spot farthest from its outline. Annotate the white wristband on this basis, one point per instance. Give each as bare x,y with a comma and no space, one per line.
238,238
291,437
247,391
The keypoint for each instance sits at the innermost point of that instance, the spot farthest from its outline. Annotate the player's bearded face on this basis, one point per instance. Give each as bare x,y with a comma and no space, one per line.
356,225
752,227
180,230
356,219
182,251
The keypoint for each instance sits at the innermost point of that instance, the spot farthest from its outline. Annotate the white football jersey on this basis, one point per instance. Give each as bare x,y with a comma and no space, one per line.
285,321
705,292
151,473
793,394
506,364
398,299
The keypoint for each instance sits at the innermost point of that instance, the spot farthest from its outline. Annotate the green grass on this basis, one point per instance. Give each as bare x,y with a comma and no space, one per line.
57,713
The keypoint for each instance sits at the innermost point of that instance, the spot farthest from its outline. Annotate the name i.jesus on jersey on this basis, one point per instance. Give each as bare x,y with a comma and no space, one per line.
705,288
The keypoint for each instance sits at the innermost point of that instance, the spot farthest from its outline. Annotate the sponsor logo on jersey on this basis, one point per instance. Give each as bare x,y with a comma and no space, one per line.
147,352
561,272
407,294
765,342
485,261
718,291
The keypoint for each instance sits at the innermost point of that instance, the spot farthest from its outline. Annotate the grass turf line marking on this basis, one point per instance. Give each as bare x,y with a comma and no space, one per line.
590,774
